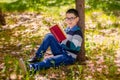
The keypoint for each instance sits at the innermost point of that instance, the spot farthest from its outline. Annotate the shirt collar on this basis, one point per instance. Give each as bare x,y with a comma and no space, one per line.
73,28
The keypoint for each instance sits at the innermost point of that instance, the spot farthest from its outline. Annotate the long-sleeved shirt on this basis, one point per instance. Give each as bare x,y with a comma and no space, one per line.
74,40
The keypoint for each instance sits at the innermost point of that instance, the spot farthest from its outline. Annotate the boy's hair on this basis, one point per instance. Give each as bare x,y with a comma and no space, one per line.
73,11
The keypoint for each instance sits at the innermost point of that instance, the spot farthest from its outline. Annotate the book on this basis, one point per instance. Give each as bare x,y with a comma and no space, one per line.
58,33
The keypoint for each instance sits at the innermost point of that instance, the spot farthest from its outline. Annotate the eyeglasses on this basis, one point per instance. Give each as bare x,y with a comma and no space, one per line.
71,18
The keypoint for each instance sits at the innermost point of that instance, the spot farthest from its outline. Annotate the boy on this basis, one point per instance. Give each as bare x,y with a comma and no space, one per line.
65,53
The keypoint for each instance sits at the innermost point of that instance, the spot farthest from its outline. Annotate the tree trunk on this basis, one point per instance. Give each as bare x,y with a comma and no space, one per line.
2,19
80,6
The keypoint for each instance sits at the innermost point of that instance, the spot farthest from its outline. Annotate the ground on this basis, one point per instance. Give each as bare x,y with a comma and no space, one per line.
24,32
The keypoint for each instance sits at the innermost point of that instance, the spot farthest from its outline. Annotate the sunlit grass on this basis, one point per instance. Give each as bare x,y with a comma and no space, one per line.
97,19
102,43
7,1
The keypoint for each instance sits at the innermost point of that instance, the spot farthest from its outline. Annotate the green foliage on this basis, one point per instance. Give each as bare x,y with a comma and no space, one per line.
7,1
109,6
34,5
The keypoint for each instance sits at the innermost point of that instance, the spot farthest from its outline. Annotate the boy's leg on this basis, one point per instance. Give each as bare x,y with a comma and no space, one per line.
49,40
54,61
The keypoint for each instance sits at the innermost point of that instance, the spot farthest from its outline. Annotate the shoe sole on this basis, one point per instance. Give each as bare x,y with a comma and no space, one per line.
22,66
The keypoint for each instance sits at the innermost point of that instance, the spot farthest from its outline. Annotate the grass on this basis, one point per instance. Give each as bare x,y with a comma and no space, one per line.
102,43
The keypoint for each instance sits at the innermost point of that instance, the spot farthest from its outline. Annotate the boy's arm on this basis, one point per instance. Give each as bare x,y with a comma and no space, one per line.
72,45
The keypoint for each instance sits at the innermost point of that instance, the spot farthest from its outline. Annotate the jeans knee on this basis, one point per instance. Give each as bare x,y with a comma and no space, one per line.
49,35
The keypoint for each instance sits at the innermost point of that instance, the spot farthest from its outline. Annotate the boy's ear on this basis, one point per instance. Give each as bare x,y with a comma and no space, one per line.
78,18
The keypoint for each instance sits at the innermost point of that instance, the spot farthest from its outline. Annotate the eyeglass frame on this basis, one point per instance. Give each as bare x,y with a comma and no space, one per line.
71,19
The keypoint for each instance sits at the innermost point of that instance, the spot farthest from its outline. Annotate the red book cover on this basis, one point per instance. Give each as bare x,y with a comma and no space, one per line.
58,33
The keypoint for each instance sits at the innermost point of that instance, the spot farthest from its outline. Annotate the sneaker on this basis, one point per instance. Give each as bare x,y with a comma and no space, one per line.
22,66
34,59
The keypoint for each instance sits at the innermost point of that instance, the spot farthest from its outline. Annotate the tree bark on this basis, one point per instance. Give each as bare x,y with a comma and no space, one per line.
2,18
80,6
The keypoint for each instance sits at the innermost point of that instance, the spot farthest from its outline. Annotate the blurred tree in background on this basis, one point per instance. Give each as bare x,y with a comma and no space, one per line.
2,19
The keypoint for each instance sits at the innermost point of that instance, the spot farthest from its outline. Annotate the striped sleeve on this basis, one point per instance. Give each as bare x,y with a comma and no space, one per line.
72,45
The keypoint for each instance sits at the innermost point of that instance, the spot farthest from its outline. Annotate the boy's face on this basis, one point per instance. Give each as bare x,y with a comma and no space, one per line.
71,20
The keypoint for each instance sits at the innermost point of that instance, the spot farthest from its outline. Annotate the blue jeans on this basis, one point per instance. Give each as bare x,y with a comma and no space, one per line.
60,57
